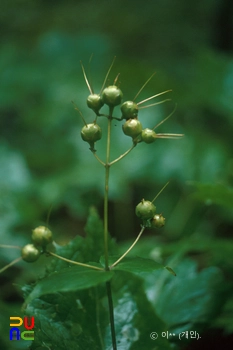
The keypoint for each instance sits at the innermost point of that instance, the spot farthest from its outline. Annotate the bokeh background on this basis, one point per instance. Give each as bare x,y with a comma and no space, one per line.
45,167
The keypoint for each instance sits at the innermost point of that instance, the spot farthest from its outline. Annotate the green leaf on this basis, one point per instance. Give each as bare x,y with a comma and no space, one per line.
69,279
188,301
74,250
62,321
135,318
94,237
134,265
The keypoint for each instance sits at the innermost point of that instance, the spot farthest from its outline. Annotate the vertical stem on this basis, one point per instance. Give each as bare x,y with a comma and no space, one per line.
110,306
108,284
107,169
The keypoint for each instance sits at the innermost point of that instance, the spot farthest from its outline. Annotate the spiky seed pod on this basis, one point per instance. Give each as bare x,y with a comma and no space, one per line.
112,96
95,102
148,135
132,127
129,110
91,132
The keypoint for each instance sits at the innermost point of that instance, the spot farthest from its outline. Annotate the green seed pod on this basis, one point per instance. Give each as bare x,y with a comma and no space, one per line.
145,210
132,127
112,96
91,133
41,236
129,110
157,221
30,253
95,102
148,135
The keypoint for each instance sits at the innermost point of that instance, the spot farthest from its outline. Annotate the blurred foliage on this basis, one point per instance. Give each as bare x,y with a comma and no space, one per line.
44,162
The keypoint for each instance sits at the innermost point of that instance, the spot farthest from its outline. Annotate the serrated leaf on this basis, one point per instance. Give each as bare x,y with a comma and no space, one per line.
187,301
62,321
69,279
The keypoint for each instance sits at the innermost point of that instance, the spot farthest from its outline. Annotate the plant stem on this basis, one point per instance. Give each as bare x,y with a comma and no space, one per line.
9,265
110,306
99,160
98,325
75,262
123,155
128,250
10,246
106,190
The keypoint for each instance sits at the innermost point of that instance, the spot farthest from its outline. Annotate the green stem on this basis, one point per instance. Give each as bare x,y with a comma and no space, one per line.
98,325
106,190
99,160
128,250
75,262
123,155
110,305
10,246
9,265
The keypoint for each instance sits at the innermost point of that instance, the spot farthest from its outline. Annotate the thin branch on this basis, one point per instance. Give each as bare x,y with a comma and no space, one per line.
9,265
128,250
123,155
160,192
10,246
75,262
99,160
